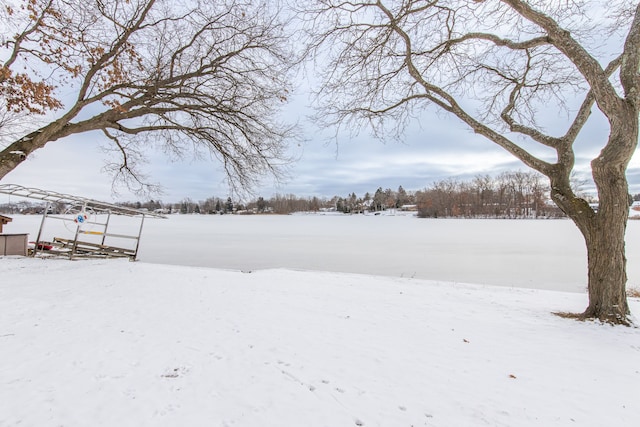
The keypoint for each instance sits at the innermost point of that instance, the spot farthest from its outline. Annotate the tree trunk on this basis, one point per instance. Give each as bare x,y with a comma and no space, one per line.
604,235
607,270
18,151
604,230
13,155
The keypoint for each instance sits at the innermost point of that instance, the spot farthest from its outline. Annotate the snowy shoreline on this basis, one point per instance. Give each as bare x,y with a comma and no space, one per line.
111,342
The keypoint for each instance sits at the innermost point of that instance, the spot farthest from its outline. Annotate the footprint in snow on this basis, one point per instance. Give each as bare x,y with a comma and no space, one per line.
175,372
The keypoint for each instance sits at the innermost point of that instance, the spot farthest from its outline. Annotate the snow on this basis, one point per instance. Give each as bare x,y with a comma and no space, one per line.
540,254
119,343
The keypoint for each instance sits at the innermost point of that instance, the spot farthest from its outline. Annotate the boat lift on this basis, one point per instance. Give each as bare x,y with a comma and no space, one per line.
88,220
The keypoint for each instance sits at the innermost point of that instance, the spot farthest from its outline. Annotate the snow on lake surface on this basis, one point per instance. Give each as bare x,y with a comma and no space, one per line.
117,343
541,254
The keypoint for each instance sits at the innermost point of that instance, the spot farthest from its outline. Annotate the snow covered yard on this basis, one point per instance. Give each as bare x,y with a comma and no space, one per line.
115,343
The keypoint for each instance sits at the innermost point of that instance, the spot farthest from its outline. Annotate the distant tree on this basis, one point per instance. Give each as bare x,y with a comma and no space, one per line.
285,204
402,198
484,190
187,206
444,192
387,60
261,205
190,75
314,204
389,198
366,200
378,201
152,205
424,200
518,195
228,207
209,206
352,203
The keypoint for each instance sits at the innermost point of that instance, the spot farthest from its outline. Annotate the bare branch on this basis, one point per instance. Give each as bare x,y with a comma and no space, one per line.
498,41
445,101
212,75
126,170
587,65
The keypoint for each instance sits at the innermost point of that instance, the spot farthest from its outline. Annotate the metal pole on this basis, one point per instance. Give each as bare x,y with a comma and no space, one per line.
44,215
75,239
106,226
135,255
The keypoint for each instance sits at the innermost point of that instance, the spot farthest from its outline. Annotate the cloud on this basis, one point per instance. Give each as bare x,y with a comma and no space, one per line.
433,147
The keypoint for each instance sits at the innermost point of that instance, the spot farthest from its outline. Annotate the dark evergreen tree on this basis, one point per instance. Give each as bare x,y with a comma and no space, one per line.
261,205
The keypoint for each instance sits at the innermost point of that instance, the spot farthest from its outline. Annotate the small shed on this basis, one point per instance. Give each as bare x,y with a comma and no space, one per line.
3,221
12,244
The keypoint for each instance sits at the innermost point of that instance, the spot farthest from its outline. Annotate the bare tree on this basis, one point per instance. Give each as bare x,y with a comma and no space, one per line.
195,76
485,191
495,64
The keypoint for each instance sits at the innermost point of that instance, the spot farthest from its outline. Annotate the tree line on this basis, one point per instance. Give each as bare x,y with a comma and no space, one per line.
514,194
509,195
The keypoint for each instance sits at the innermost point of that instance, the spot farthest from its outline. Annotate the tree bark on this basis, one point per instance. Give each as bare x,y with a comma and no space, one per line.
607,269
605,240
604,230
604,235
18,151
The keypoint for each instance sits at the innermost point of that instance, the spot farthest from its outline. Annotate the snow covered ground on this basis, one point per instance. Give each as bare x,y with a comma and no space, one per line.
117,343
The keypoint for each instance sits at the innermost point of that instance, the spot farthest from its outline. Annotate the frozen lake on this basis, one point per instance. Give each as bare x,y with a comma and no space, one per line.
542,254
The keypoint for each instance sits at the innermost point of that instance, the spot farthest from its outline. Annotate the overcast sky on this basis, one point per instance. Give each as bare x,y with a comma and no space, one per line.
435,147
